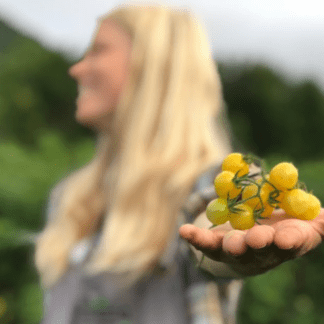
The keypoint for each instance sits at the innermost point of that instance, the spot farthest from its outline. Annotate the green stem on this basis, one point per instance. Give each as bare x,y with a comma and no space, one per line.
250,158
244,200
242,182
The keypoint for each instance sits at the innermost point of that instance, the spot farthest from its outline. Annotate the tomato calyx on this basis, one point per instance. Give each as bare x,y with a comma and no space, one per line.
250,158
300,185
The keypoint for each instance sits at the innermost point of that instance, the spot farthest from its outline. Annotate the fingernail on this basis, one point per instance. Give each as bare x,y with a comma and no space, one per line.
229,234
263,246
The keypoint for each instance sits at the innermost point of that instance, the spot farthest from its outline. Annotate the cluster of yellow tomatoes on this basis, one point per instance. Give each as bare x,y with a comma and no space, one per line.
244,198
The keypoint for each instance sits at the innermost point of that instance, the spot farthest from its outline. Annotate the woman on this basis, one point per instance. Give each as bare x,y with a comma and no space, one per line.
150,89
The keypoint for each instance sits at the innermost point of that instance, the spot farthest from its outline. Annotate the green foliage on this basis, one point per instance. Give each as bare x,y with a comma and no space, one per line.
27,174
26,179
36,94
269,115
30,300
7,34
265,296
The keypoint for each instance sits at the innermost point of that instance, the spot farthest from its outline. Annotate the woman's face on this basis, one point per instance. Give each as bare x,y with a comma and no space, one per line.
101,75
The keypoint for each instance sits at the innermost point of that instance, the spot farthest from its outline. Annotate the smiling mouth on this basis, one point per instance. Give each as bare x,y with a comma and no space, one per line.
84,93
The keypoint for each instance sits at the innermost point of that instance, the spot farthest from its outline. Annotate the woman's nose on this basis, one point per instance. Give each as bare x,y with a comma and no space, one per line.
75,70
72,71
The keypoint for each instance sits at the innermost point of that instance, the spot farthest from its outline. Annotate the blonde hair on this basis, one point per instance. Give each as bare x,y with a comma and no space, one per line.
166,131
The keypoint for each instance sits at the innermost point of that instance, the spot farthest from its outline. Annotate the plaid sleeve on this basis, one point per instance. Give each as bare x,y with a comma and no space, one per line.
215,302
197,202
205,303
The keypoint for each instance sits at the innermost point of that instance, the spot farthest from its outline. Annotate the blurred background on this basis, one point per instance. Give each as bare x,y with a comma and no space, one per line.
271,60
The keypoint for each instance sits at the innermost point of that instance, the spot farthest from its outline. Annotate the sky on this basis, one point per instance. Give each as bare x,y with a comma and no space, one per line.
287,35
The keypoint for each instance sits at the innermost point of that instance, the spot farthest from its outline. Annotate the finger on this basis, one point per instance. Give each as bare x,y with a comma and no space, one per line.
317,223
289,237
260,236
234,243
201,238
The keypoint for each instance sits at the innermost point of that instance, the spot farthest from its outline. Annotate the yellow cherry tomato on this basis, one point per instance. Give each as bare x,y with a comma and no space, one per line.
244,219
248,192
284,176
224,185
252,190
234,162
294,202
279,198
268,191
313,208
288,200
268,210
300,204
217,211
266,186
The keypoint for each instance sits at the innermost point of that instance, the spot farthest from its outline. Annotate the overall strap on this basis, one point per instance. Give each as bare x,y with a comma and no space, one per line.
60,300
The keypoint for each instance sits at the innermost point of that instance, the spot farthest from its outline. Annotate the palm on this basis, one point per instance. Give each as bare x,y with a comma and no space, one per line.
260,248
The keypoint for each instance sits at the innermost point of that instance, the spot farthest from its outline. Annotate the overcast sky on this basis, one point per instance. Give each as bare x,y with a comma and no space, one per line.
285,34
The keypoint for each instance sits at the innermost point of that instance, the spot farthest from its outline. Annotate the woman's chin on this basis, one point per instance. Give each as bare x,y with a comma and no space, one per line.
94,122
84,119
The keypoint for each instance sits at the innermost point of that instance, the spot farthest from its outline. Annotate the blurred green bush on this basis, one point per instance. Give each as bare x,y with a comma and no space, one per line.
272,115
27,177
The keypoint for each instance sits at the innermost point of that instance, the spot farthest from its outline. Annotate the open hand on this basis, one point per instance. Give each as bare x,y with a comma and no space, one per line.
261,248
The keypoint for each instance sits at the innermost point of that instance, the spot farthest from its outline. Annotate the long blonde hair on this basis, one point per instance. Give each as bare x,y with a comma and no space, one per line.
165,132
